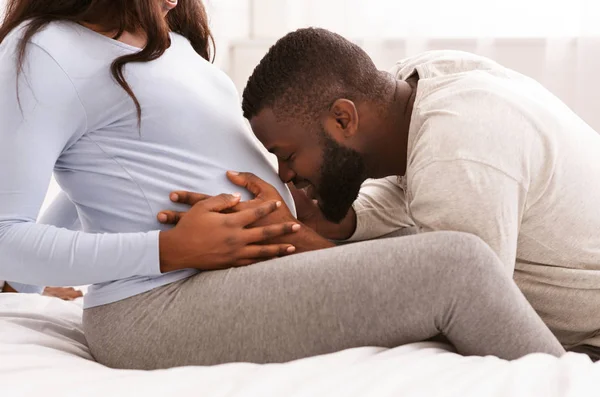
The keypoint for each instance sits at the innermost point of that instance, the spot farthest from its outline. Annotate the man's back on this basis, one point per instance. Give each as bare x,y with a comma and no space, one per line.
493,153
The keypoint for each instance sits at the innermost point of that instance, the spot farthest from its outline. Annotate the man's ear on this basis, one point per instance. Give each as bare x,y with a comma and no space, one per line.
342,119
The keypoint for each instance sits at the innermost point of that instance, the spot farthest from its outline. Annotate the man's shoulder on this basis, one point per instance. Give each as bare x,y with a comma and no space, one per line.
468,117
465,98
442,62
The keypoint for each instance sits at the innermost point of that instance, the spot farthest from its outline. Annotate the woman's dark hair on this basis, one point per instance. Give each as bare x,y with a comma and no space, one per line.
188,19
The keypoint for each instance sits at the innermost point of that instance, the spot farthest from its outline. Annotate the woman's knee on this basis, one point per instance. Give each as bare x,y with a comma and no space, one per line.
458,256
471,261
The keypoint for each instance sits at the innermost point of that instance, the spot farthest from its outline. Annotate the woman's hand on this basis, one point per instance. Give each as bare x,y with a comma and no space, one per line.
206,238
66,293
305,240
263,193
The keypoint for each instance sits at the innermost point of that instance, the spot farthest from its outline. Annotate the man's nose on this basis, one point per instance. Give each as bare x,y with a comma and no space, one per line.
286,174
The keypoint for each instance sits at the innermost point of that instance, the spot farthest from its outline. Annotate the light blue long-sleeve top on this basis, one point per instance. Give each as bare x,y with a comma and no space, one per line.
71,118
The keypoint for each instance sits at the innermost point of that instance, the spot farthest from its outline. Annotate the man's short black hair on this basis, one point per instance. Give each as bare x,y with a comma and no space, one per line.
306,71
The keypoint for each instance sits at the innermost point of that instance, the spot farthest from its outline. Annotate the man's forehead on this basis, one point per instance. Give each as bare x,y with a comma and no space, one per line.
268,128
264,123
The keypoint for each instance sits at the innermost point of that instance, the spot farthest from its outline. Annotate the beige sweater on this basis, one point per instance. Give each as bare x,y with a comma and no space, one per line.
493,153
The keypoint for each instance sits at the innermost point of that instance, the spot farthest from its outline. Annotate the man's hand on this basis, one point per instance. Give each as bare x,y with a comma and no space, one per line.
304,240
262,192
310,214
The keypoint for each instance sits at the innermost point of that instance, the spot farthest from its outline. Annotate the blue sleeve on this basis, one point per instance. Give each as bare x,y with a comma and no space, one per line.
61,213
26,289
37,126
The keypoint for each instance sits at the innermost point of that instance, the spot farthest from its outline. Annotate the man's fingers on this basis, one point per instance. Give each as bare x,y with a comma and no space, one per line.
221,202
189,198
170,217
251,182
251,215
266,251
259,234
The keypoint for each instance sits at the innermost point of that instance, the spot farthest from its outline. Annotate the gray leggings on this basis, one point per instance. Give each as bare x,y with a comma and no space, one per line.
378,293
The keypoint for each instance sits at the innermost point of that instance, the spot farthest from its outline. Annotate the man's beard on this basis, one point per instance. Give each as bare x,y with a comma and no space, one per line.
342,173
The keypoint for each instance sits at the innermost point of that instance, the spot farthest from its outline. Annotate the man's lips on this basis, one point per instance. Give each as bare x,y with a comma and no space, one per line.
302,185
308,188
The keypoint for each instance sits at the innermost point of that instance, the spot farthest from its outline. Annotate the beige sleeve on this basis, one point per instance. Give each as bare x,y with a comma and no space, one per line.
380,209
472,197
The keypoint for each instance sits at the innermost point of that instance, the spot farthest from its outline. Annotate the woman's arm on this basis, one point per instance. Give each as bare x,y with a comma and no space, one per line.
37,125
61,213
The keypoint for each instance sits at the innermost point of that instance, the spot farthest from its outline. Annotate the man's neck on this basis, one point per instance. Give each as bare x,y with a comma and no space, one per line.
388,153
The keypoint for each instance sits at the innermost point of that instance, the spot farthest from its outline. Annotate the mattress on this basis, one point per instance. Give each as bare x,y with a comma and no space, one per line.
43,352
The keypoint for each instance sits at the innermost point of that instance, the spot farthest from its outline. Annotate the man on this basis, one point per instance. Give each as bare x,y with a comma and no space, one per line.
463,144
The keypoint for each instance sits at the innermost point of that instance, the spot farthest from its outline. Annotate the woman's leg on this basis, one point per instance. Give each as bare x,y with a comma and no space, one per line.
378,293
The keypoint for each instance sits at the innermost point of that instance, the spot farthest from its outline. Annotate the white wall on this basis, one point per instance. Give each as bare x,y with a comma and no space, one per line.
554,41
568,67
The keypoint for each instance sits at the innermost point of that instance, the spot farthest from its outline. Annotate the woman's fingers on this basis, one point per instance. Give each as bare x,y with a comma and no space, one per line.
189,198
259,234
245,262
244,205
170,217
254,251
221,202
249,216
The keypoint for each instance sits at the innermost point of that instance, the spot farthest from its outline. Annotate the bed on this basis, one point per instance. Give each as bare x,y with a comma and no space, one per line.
43,352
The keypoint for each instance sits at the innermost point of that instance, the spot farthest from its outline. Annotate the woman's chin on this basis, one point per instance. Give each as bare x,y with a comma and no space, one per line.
168,5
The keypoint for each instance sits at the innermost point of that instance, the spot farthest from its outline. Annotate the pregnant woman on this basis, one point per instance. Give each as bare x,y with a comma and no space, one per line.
118,99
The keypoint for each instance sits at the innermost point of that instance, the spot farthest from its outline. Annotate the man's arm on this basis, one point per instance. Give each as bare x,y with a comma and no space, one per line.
380,209
471,197
305,240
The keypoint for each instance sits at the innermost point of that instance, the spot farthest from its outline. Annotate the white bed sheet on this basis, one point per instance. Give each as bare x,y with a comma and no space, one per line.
43,352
